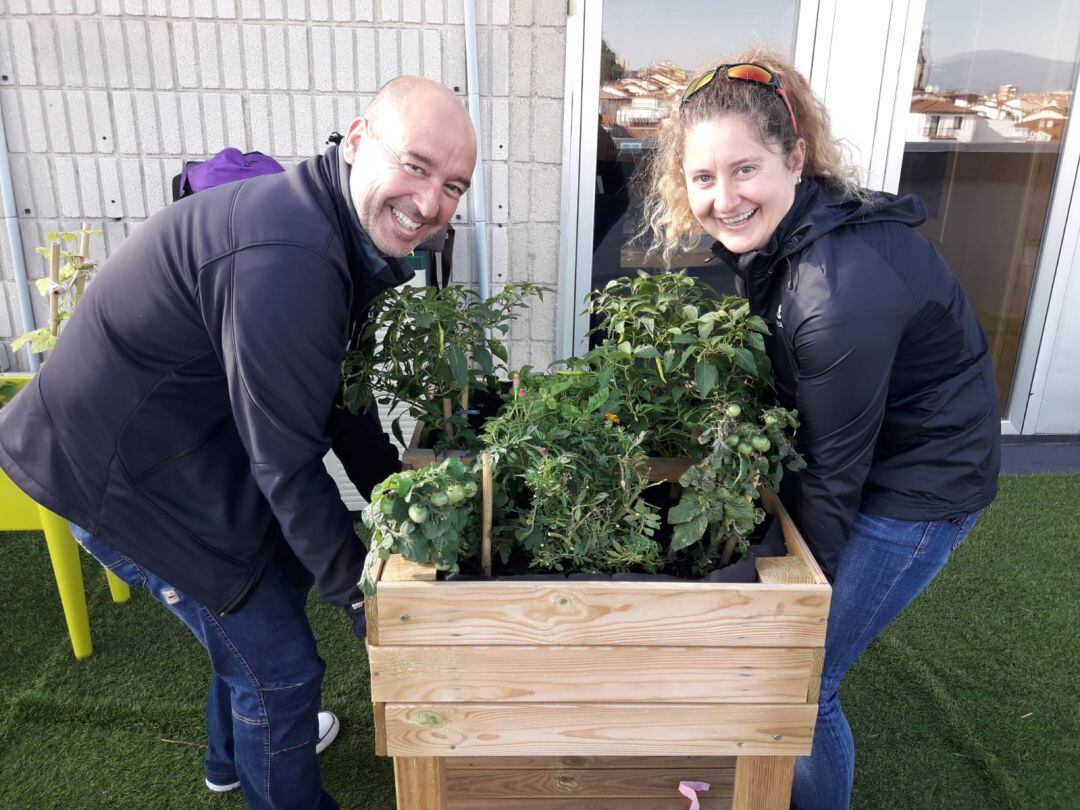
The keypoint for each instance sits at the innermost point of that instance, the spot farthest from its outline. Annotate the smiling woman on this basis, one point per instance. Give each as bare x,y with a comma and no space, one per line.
406,180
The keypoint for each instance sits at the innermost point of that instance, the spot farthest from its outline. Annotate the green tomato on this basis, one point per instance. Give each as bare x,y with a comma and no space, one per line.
770,420
732,440
439,498
456,493
745,448
418,513
733,410
470,488
761,443
387,506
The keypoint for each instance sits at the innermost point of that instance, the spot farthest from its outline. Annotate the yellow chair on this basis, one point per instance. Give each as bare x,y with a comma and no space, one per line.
19,513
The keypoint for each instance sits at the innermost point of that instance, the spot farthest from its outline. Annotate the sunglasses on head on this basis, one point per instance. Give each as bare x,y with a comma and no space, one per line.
746,72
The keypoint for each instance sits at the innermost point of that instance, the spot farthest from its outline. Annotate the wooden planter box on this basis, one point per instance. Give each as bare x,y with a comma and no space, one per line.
576,695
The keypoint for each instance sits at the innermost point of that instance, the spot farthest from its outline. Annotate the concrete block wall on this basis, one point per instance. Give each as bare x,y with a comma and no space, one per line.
102,100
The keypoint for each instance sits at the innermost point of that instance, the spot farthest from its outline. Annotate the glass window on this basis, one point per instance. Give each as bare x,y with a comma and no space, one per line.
989,107
649,52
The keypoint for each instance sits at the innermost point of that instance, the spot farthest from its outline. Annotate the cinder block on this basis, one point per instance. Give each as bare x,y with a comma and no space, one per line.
303,131
299,72
344,61
500,63
519,192
432,54
68,36
13,120
320,10
232,65
412,11
366,75
213,123
463,254
324,63
253,57
518,237
250,9
210,72
7,66
549,66
281,121
170,127
157,8
546,184
203,9
499,256
277,75
138,55
64,6
520,130
235,131
88,186
455,12
545,244
389,66
549,12
365,10
22,49
499,193
92,59
326,120
187,71
342,10
112,43
191,124
296,9
57,120
483,12
521,44
521,12
101,121
259,113
454,59
500,12
21,188
547,115
146,119
180,8
410,51
155,194
134,8
115,233
226,9
349,108
33,236
161,53
274,9
127,139
498,128
67,186
131,180
112,8
433,11
37,138
390,10
82,135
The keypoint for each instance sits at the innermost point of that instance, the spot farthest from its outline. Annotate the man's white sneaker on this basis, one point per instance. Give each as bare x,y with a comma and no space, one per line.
222,788
329,726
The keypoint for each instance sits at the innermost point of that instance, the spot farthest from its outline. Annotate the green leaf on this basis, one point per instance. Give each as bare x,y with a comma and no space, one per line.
459,366
646,352
705,378
684,511
744,359
483,357
424,319
686,534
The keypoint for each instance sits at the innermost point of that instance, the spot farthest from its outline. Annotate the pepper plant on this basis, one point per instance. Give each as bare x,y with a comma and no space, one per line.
435,344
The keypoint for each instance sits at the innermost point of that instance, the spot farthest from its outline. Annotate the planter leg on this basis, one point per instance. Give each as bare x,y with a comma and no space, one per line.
119,589
67,568
420,783
763,783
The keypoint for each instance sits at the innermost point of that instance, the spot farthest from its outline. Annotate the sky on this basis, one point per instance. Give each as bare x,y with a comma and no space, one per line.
1047,28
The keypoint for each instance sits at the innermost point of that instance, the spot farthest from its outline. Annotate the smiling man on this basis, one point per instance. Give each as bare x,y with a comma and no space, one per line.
181,422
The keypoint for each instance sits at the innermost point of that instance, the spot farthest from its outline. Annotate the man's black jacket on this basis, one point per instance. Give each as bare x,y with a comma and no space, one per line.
875,344
183,417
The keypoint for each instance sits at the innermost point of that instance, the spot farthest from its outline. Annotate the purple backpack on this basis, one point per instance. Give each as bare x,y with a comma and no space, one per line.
226,166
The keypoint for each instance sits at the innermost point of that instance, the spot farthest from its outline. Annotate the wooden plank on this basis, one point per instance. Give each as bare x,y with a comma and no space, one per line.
399,569
378,714
580,783
795,542
500,729
792,570
763,783
420,783
706,802
817,661
535,674
667,469
593,763
602,613
371,604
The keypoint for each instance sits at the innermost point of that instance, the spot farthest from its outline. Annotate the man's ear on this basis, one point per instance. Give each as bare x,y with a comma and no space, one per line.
353,135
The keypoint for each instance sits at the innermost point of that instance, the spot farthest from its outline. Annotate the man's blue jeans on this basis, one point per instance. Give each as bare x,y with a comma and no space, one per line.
886,564
265,685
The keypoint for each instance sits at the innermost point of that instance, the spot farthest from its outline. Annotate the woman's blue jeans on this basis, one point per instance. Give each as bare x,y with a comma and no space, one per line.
886,564
265,685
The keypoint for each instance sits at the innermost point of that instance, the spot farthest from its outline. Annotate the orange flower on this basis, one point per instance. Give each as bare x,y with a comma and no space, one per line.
612,417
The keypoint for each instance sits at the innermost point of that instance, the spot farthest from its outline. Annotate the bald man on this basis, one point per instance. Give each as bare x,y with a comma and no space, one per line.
181,422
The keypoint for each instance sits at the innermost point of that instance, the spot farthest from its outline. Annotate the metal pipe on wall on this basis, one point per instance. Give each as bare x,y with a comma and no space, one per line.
478,190
11,220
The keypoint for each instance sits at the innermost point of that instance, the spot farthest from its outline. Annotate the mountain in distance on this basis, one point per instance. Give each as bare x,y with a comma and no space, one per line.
985,71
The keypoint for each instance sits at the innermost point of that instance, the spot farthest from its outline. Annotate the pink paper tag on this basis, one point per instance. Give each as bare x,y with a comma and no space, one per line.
689,790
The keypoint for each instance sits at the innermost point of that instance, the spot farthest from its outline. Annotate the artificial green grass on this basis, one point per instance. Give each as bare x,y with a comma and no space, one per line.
968,701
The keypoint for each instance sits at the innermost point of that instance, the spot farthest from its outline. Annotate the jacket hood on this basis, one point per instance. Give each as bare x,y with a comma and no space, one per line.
821,206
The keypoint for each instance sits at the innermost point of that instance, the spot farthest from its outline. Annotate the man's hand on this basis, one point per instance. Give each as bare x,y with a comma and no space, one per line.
359,619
